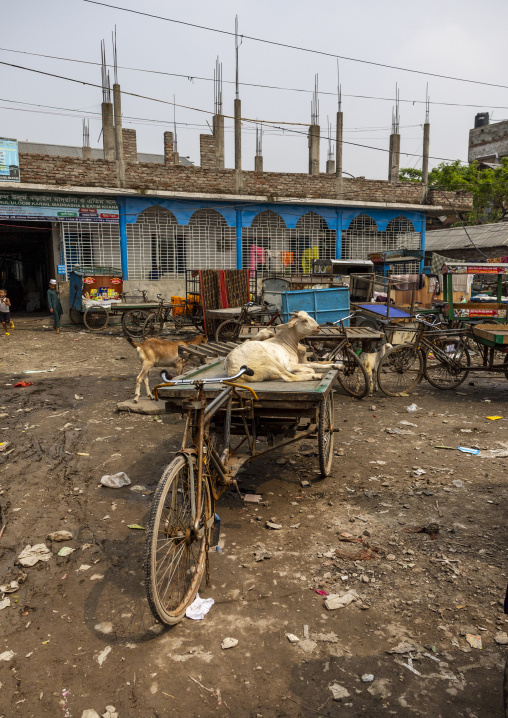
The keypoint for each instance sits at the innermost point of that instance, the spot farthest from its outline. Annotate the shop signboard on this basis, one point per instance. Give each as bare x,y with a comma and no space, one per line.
57,207
9,160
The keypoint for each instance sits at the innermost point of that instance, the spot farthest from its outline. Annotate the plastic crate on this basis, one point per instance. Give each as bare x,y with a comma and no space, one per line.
323,305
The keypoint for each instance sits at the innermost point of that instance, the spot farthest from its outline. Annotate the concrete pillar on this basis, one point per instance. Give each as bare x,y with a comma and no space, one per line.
120,161
314,137
238,135
169,157
87,153
218,134
425,159
394,158
258,163
108,132
330,167
338,152
122,225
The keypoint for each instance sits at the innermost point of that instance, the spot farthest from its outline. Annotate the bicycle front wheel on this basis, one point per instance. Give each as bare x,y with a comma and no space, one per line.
352,377
133,321
325,435
227,331
152,327
447,373
175,552
400,369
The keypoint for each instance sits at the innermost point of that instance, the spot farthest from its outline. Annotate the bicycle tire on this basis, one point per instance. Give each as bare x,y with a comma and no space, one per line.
153,326
76,316
96,318
442,375
172,583
352,377
133,321
227,331
325,434
400,369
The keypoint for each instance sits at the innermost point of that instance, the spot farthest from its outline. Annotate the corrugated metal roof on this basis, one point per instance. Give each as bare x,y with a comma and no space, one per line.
41,148
483,235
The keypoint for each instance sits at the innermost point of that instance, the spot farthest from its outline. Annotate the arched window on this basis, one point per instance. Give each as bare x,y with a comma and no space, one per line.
311,239
211,242
263,243
155,245
361,237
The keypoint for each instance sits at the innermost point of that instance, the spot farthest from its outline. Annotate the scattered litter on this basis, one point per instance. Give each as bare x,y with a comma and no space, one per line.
457,483
65,551
81,453
320,592
61,535
468,450
432,529
409,666
292,638
336,600
5,603
412,408
494,418
4,445
252,498
33,554
136,526
23,383
7,655
355,553
39,371
474,641
104,627
199,608
452,448
408,423
97,577
77,397
110,712
419,472
229,643
103,655
84,567
13,586
140,489
261,553
273,526
338,692
115,481
367,678
400,432
500,638
305,484
495,454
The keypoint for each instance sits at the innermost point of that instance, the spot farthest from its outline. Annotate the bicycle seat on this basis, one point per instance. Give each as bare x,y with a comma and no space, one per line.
439,304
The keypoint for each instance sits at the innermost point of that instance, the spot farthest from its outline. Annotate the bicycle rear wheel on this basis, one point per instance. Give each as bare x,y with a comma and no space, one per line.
153,326
445,374
325,435
175,553
400,369
352,377
227,331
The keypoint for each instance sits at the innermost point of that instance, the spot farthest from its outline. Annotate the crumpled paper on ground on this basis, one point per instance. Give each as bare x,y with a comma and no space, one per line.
199,608
115,481
33,554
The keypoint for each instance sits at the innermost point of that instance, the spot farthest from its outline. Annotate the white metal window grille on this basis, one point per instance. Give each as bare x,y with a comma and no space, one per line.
211,244
363,237
89,244
156,245
271,248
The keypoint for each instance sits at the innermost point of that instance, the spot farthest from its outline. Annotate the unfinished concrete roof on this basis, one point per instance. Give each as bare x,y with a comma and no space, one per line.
483,235
41,148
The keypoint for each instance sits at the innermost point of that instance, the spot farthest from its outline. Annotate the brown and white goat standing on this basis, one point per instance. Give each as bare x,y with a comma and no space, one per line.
163,353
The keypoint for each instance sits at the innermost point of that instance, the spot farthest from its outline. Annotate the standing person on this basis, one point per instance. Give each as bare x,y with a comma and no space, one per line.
55,308
5,312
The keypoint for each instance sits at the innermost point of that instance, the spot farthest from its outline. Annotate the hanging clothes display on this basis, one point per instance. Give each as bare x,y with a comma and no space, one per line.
287,258
256,256
307,256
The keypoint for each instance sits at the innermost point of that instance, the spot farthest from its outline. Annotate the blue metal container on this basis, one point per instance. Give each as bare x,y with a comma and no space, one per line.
323,305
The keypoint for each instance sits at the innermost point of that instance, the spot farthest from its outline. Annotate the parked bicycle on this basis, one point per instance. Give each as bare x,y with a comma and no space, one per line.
251,314
440,355
189,316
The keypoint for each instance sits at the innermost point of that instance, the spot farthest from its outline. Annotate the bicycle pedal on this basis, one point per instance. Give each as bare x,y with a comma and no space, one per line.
215,532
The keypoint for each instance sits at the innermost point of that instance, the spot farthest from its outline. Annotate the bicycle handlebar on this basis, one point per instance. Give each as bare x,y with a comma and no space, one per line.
243,370
339,321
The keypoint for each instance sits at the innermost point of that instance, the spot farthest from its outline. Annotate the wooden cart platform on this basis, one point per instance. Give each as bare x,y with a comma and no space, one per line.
491,334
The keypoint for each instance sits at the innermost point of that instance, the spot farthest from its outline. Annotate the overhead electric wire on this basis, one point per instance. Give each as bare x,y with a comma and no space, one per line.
190,77
270,123
296,47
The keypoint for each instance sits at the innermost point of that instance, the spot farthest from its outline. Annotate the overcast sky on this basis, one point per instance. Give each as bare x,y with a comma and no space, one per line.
460,38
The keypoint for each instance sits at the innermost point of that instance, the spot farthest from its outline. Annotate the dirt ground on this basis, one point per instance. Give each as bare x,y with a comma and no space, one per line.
80,628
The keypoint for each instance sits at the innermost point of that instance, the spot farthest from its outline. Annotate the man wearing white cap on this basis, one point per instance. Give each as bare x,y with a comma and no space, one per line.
55,308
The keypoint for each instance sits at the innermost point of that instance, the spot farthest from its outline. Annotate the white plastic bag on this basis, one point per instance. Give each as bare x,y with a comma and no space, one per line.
115,481
199,608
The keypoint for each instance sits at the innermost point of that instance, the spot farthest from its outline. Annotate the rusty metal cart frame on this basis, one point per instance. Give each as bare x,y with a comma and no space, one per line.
225,423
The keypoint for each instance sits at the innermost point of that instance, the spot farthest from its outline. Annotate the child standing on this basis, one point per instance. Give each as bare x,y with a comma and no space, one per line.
55,308
5,312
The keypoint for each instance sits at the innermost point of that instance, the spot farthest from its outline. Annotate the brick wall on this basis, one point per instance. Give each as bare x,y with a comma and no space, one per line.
488,140
169,157
207,152
45,169
130,145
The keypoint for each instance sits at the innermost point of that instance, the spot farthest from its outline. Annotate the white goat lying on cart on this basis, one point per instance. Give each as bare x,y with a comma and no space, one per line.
281,356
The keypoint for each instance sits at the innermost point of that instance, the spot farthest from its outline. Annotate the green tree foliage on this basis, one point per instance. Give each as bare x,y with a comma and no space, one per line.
410,174
489,187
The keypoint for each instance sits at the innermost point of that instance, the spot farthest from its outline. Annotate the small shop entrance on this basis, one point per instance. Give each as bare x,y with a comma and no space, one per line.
25,253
